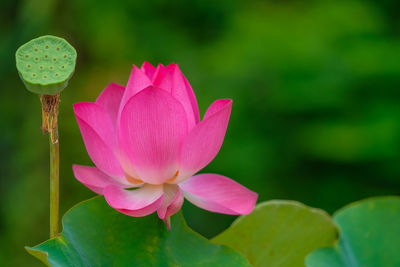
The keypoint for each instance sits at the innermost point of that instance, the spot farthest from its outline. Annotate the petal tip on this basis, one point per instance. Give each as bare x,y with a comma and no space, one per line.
76,106
80,106
74,167
252,203
116,85
147,64
225,101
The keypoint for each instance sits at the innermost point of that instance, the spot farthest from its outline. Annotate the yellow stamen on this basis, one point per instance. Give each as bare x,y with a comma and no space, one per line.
133,180
173,177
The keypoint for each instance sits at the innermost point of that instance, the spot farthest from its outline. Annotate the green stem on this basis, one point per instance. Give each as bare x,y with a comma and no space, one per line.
54,184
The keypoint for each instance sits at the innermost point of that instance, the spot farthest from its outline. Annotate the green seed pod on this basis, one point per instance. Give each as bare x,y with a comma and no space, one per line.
46,64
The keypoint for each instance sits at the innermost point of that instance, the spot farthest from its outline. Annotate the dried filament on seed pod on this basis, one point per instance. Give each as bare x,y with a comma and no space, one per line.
49,115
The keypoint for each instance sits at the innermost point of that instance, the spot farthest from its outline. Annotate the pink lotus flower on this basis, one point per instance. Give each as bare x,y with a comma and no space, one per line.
149,136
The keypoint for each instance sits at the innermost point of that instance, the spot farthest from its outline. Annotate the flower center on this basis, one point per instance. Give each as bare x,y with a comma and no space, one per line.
136,181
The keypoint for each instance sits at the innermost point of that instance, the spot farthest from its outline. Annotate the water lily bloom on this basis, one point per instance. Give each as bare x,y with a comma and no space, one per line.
147,142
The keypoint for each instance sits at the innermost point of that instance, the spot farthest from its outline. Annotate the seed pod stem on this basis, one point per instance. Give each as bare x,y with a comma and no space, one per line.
50,125
54,185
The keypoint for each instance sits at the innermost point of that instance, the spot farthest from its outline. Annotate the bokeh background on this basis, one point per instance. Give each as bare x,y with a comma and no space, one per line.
316,115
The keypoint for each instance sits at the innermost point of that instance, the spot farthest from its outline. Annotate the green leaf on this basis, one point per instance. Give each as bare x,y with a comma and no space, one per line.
279,233
96,235
369,236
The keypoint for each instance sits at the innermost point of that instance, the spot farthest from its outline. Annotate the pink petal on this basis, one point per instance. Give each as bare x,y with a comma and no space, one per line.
193,100
160,72
172,202
218,193
138,81
148,69
136,203
98,119
202,144
175,205
217,106
152,127
144,211
171,79
95,179
180,91
99,137
110,99
126,165
163,77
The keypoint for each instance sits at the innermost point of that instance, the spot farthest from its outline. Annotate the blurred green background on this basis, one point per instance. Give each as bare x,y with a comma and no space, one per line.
316,115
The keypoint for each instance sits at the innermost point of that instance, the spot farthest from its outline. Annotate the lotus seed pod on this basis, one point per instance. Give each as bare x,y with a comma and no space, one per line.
46,64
